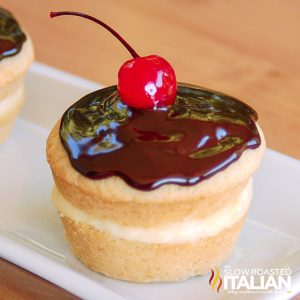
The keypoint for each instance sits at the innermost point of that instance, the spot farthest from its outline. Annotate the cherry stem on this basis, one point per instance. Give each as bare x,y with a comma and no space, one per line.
82,15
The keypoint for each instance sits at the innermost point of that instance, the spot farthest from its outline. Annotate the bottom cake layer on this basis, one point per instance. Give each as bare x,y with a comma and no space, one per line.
143,262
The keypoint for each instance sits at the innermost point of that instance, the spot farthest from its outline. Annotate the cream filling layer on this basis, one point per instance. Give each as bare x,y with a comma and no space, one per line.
10,106
181,232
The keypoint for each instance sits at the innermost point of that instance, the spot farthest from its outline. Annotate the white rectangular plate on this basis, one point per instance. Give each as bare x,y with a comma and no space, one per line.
32,236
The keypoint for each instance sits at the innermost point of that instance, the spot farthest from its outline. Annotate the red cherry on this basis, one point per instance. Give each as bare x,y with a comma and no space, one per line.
144,82
147,82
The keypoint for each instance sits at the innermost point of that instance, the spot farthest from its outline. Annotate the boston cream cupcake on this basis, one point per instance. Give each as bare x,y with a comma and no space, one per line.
16,55
153,180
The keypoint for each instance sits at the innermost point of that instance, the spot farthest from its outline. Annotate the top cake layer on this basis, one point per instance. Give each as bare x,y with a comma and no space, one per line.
11,35
201,134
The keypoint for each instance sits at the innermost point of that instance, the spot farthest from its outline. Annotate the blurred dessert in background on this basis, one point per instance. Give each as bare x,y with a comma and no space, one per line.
16,55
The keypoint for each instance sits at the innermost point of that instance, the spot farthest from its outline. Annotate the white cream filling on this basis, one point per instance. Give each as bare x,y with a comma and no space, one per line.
185,231
11,102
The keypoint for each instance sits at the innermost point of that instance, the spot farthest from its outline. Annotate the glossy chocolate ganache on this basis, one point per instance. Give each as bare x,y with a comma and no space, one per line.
201,134
11,35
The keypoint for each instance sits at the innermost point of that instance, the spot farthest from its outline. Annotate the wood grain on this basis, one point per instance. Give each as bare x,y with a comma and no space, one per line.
249,49
19,284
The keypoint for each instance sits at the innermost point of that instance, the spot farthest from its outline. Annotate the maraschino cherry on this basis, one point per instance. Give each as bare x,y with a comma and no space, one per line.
144,82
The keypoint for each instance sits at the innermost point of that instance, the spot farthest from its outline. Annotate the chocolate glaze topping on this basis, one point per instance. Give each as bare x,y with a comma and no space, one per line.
201,134
11,35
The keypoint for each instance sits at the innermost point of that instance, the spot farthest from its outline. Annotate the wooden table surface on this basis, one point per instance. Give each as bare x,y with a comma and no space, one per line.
249,49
